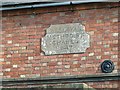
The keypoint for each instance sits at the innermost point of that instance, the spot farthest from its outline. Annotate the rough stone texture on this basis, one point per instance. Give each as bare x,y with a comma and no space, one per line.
81,86
65,39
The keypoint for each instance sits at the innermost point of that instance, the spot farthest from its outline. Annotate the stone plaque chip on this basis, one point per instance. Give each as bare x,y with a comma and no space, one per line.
65,39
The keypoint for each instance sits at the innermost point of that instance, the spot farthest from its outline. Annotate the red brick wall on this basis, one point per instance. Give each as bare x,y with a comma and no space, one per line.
22,31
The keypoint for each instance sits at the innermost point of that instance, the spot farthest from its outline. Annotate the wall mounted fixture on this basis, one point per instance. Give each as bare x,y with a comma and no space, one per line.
107,66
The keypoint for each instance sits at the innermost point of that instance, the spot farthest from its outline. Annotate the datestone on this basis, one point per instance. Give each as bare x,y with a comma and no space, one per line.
65,39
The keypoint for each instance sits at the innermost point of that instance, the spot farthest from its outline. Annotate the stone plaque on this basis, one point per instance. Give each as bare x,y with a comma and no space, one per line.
65,39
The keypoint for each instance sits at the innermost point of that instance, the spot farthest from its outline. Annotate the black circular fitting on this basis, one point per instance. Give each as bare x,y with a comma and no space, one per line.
107,66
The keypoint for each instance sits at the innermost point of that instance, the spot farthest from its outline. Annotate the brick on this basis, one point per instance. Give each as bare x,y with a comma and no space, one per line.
115,34
9,35
44,64
106,46
91,54
9,41
15,51
106,53
35,75
99,43
75,55
1,53
52,63
59,70
83,58
16,44
75,65
67,66
42,54
52,74
1,59
99,21
115,20
115,41
115,71
22,76
8,56
98,50
115,48
23,47
98,57
91,33
68,73
30,58
75,69
1,46
75,62
29,65
59,63
8,62
15,66
7,76
37,68
8,70
1,74
114,56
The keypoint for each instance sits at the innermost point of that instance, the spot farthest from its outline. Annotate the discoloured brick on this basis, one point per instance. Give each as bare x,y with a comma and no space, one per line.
22,76
9,35
83,58
8,70
75,69
1,74
115,34
115,20
59,70
15,51
91,32
67,66
75,55
8,62
67,73
114,56
106,53
30,58
75,62
8,56
1,59
98,50
106,46
16,45
1,46
99,21
91,54
9,42
44,64
23,47
98,57
59,63
37,68
15,66
99,43
115,48
115,41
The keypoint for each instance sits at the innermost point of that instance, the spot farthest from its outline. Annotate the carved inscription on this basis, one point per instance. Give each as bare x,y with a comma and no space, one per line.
65,38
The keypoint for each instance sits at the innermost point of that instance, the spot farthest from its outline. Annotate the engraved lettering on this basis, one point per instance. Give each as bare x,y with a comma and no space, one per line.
66,38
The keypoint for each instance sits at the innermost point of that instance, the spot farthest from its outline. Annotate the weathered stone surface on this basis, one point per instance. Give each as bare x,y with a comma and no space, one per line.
64,39
80,86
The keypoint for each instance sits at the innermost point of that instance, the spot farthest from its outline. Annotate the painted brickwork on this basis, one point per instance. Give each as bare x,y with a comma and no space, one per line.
22,30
